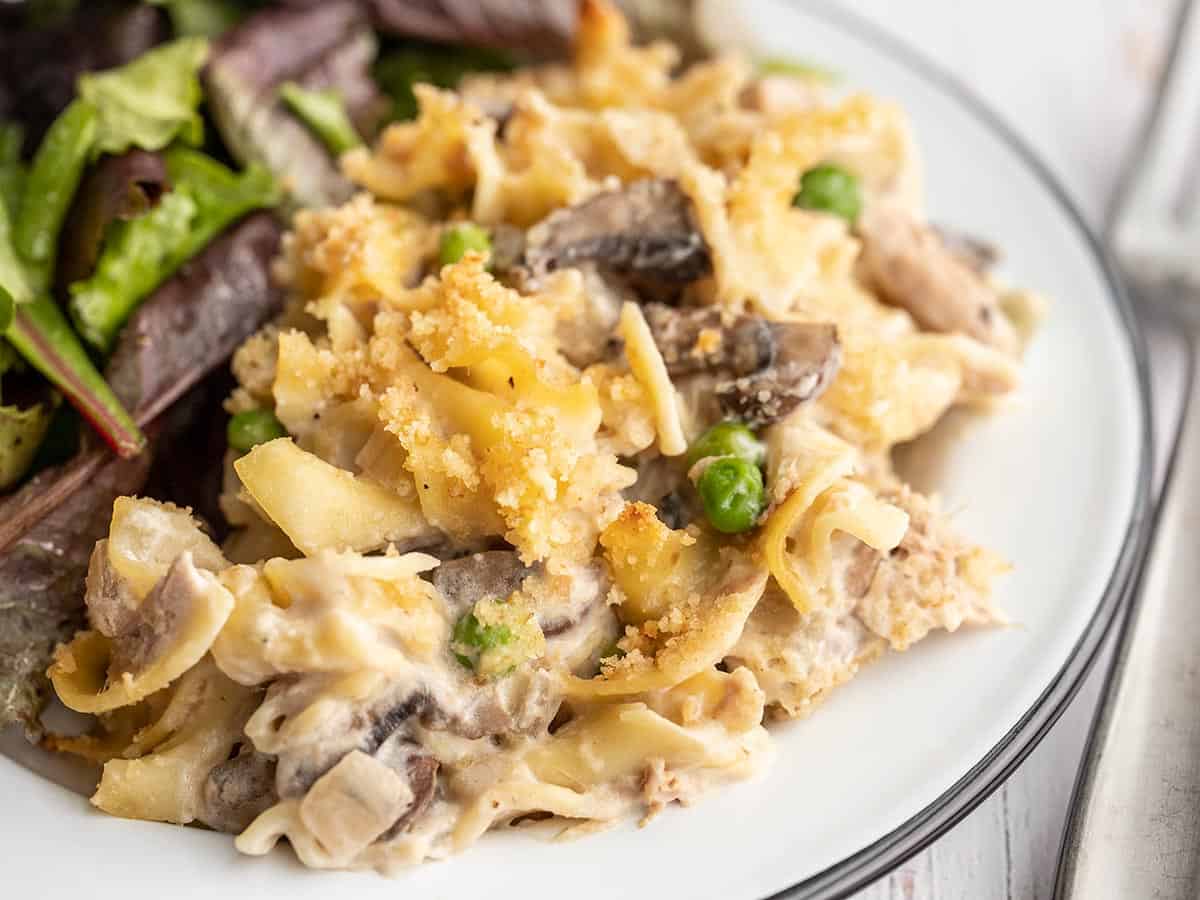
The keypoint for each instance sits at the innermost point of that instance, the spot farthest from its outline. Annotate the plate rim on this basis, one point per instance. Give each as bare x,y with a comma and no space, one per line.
883,855
861,868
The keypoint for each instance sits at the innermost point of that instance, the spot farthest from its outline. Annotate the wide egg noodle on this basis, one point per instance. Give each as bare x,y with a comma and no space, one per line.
87,673
651,372
165,783
701,616
331,613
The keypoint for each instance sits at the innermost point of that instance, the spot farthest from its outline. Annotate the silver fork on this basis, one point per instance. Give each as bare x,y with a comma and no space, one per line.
1134,830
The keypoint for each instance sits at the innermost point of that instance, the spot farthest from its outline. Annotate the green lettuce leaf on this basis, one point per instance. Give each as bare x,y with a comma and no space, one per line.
151,101
222,196
201,18
21,433
21,429
15,286
324,112
142,253
12,170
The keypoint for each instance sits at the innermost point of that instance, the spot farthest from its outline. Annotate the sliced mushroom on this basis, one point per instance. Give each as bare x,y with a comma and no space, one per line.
401,753
385,733
763,369
237,791
645,229
911,267
574,615
421,769
508,247
663,483
160,618
522,703
571,611
464,582
568,597
710,340
111,604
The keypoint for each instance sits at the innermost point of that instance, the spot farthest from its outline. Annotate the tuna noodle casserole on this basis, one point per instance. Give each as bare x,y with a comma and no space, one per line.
565,469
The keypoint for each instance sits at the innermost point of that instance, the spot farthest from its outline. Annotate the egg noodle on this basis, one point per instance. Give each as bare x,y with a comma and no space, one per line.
481,579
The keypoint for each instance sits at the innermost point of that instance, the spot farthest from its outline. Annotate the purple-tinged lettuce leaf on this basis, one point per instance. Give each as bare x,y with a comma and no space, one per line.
243,77
118,188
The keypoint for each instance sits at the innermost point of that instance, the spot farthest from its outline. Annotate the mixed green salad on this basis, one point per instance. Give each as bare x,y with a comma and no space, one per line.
228,107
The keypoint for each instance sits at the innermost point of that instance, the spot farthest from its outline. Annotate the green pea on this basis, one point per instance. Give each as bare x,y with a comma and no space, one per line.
249,429
732,492
458,240
830,188
728,439
471,639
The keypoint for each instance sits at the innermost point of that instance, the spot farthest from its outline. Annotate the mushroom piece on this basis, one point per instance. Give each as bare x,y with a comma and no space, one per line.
465,581
367,731
162,619
111,604
237,791
383,734
571,612
389,726
421,770
912,267
644,230
663,483
763,369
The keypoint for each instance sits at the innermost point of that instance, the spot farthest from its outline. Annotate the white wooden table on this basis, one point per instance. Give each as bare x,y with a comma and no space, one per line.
1072,76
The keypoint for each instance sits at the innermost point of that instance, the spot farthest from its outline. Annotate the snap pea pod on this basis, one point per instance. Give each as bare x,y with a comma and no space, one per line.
53,178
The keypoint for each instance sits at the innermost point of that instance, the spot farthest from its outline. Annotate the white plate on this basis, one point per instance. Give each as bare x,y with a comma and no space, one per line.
1055,482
